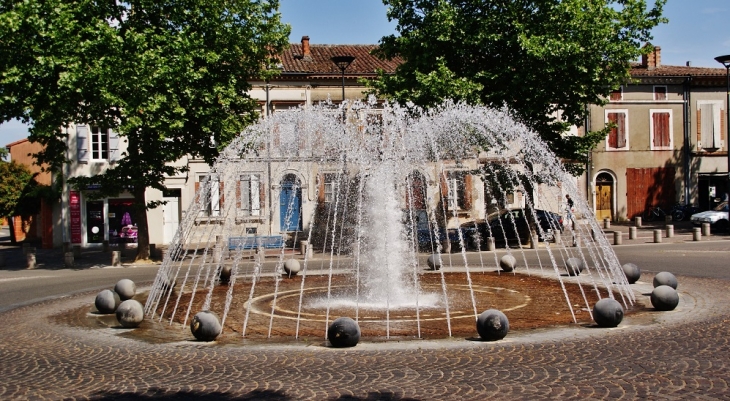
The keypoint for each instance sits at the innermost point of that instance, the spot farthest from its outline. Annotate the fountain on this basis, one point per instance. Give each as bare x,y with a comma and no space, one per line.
374,192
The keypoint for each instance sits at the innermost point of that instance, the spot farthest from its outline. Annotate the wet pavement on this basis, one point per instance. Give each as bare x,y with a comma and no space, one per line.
56,349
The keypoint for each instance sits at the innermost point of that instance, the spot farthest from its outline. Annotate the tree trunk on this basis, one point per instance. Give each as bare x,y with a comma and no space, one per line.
11,226
143,233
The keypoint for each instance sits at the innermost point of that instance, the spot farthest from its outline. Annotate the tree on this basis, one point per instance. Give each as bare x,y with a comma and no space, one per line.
169,76
544,59
15,179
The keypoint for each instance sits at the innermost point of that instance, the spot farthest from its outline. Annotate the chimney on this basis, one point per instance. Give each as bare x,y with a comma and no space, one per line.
653,59
306,53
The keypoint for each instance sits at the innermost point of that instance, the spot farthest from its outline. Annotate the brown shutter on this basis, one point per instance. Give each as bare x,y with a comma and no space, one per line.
621,130
468,184
221,197
262,194
238,194
613,133
444,185
197,187
722,125
661,129
320,194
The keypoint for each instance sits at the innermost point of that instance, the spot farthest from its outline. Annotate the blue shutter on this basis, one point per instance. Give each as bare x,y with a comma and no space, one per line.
113,146
82,143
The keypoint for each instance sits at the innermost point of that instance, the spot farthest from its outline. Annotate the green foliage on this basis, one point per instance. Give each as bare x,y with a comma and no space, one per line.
15,180
171,77
544,59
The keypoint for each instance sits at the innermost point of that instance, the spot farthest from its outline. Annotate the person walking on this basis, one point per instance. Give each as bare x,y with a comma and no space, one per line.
569,211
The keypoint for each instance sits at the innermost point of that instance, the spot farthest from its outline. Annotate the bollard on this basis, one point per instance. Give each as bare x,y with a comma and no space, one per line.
576,240
705,229
618,238
77,251
68,260
105,246
30,259
490,244
670,230
632,232
533,241
303,245
657,236
606,223
556,237
696,234
116,258
637,221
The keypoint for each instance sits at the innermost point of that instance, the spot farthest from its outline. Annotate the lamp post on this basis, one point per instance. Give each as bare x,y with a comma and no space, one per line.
725,61
342,62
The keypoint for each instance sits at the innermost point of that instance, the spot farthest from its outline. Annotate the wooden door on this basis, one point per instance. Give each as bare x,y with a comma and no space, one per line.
603,201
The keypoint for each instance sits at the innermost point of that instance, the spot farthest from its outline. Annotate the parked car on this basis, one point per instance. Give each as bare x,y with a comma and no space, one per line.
511,225
718,218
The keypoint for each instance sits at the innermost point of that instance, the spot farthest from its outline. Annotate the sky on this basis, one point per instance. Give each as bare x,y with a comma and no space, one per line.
696,32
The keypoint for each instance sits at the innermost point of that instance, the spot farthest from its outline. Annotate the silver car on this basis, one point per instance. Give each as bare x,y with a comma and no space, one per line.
718,218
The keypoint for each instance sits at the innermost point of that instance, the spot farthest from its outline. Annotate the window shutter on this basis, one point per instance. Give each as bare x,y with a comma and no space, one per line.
82,143
468,191
707,123
661,129
699,127
113,146
222,196
444,185
621,130
320,194
197,188
238,193
262,194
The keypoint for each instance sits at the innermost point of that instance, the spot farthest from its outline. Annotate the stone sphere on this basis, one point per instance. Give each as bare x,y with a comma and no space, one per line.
508,263
665,278
130,313
575,266
107,301
434,262
205,326
343,332
492,325
125,288
608,312
291,267
225,274
664,298
632,272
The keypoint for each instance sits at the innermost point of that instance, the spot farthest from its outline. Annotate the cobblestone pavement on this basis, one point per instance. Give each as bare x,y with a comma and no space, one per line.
652,355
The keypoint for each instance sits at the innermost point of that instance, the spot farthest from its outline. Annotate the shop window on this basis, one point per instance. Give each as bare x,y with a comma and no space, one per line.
122,227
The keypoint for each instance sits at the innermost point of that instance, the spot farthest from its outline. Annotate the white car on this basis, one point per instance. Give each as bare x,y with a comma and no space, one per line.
718,218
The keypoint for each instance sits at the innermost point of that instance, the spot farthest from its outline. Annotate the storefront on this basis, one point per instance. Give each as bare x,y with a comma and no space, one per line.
96,221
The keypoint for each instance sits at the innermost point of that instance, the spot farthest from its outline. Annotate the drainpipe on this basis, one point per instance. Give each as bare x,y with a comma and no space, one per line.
687,154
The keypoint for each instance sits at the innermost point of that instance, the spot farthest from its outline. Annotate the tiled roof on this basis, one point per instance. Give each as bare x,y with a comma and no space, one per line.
638,70
320,63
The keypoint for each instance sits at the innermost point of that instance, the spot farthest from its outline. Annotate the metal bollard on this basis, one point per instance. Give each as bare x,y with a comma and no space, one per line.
696,234
670,230
68,260
618,238
637,222
116,258
606,223
30,259
490,244
632,232
705,229
657,236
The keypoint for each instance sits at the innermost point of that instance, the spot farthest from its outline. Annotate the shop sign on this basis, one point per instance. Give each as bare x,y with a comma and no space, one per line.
74,203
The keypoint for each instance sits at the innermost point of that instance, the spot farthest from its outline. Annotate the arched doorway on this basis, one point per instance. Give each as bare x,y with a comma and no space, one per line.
604,196
290,203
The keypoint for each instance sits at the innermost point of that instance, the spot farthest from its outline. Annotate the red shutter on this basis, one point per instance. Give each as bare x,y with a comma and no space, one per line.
221,197
613,133
262,194
661,129
468,183
238,195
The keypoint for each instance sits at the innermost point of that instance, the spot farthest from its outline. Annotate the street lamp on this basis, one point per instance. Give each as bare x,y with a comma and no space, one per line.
342,62
725,60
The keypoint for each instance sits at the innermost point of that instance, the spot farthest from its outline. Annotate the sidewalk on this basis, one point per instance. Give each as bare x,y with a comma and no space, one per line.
683,231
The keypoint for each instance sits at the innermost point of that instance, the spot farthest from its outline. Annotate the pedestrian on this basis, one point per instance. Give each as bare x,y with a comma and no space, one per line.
569,211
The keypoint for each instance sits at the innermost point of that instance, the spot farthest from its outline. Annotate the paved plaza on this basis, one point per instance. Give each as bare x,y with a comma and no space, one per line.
50,351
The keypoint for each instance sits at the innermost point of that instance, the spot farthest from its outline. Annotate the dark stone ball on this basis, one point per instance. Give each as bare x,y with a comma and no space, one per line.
575,266
205,326
664,298
125,288
508,263
632,272
130,313
665,278
608,312
492,325
107,301
434,262
343,332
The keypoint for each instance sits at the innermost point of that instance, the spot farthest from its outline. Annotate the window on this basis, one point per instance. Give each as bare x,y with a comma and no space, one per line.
251,195
95,143
616,95
213,198
99,143
618,136
661,129
710,122
330,187
660,93
456,187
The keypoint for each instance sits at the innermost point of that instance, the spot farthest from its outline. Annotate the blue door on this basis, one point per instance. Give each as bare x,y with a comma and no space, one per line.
290,204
